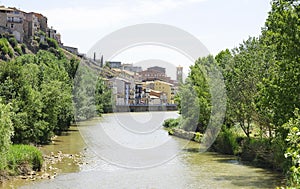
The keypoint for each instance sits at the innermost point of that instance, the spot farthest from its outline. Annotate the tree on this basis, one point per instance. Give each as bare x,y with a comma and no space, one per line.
242,71
224,61
39,90
279,93
198,78
103,97
84,93
189,106
6,127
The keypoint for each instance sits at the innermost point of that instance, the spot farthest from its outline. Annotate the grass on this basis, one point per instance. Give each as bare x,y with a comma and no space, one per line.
19,157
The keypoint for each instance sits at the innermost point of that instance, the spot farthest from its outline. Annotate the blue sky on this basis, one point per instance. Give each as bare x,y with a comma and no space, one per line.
218,24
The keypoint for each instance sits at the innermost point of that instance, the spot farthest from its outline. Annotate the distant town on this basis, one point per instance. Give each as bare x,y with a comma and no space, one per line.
133,86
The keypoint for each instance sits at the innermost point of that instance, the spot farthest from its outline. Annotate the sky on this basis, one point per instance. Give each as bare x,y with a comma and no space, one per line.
218,24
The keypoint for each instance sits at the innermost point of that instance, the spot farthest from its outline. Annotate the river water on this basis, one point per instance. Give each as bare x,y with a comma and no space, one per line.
131,150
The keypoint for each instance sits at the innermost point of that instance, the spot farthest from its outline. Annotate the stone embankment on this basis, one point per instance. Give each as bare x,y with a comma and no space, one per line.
189,135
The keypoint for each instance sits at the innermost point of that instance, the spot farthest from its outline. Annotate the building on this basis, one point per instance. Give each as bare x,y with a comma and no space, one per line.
21,24
124,87
43,22
52,33
113,64
155,97
12,20
163,90
73,50
151,75
179,74
158,68
139,93
33,23
121,91
131,68
166,89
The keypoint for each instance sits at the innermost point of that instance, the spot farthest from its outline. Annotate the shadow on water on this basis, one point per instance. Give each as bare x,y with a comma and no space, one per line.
191,150
249,181
228,168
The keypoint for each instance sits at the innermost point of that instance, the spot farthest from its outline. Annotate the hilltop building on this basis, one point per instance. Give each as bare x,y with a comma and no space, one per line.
24,26
12,20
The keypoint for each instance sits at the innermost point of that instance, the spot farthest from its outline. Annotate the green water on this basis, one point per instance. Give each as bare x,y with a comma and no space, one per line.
135,152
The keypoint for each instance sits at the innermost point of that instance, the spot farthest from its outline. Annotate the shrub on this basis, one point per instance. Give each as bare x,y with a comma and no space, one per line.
52,43
198,137
18,50
5,47
226,143
13,42
293,149
170,123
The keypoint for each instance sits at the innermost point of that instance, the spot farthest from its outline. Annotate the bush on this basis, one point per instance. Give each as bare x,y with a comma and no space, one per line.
171,123
198,137
18,50
13,42
5,47
226,143
52,43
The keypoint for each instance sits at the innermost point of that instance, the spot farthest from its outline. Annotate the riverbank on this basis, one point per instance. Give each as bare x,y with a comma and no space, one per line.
64,155
249,151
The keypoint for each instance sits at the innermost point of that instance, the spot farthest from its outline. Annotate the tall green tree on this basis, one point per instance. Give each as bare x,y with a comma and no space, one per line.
280,37
103,97
189,106
198,78
6,131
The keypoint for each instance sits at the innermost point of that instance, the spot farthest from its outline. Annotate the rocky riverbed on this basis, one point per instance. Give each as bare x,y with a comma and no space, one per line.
50,169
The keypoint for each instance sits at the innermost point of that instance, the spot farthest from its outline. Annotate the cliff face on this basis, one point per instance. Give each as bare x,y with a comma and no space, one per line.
10,48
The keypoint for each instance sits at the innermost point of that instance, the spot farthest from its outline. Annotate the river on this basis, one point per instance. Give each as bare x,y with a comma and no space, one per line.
132,150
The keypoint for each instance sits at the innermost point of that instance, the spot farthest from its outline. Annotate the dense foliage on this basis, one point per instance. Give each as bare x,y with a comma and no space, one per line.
36,100
6,131
293,149
91,94
39,90
262,78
